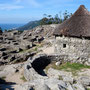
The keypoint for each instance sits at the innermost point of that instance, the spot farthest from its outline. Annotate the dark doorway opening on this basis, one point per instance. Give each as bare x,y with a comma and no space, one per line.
64,45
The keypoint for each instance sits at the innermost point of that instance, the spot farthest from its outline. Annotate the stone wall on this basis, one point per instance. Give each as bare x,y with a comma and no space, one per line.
75,48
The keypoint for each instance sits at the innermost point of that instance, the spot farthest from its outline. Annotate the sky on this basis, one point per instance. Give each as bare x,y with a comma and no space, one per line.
23,11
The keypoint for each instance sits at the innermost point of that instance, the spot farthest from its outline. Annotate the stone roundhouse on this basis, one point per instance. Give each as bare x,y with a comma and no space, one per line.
72,37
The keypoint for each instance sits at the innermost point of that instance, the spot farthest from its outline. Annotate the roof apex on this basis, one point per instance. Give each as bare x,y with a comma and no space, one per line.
81,11
77,25
82,6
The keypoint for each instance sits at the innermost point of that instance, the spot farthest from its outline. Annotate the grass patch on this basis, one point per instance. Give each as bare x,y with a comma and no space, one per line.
88,89
35,49
73,66
49,66
39,45
60,78
69,67
23,78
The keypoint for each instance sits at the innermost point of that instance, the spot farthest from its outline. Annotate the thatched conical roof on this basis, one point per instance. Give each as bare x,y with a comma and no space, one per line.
78,25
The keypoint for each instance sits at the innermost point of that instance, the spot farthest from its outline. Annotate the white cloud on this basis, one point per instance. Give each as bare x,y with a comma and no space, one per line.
34,3
19,4
28,2
9,7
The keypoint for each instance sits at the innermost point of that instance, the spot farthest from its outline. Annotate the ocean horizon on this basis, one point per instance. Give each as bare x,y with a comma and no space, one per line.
10,26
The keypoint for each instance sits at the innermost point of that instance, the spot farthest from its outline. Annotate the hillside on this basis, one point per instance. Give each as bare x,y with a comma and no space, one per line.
29,25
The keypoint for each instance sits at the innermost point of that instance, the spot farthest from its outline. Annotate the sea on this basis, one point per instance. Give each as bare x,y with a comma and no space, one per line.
10,26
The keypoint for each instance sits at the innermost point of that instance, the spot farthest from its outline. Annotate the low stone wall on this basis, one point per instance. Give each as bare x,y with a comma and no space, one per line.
57,57
66,58
74,48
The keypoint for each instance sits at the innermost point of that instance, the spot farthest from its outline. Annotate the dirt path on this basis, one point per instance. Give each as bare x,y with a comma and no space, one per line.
16,78
48,50
13,80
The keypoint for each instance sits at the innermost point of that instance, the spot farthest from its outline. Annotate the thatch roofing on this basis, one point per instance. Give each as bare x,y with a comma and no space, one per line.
78,25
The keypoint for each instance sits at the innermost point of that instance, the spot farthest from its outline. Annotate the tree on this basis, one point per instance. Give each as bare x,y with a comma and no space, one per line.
67,15
48,19
49,16
43,21
60,18
70,14
57,19
44,15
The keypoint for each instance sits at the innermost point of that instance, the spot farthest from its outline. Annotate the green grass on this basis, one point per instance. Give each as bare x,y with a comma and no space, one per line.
35,49
88,89
60,78
23,78
25,50
70,67
30,50
73,66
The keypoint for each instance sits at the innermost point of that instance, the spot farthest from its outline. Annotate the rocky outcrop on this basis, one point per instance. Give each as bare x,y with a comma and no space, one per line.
50,84
47,84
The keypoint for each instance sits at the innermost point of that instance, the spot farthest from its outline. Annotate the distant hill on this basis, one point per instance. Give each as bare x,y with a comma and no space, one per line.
29,25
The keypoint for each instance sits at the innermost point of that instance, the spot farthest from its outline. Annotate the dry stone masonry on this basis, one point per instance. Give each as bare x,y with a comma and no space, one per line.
72,37
73,48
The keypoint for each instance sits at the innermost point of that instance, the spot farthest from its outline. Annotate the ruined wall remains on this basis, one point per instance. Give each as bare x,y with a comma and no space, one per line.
74,48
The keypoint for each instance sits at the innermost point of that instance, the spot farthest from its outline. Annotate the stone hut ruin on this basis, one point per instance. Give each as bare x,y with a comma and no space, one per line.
72,37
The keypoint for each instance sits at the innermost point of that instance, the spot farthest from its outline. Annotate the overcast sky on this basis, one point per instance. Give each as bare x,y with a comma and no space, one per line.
23,11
